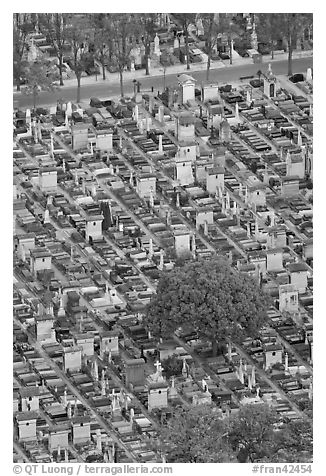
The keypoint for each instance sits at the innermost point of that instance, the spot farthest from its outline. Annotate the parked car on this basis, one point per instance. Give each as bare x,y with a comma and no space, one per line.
296,78
95,102
224,56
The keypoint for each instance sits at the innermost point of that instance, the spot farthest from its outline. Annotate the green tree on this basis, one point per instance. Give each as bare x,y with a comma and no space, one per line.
196,435
269,27
252,433
172,366
209,296
40,76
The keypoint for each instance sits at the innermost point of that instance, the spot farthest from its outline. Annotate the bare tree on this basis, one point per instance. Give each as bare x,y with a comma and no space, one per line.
211,29
78,33
40,76
124,29
54,27
20,36
102,37
147,30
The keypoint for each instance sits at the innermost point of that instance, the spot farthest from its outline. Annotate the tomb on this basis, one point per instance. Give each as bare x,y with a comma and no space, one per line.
44,327
79,136
269,84
48,179
185,127
146,185
187,150
81,430
187,87
86,342
276,237
26,422
272,355
295,164
58,438
288,298
26,243
72,358
135,372
210,91
94,227
182,241
205,214
41,259
298,276
257,195
109,342
215,180
290,186
104,141
184,174
157,395
225,131
29,398
274,259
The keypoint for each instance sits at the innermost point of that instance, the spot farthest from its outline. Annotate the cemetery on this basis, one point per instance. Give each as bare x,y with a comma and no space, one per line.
104,208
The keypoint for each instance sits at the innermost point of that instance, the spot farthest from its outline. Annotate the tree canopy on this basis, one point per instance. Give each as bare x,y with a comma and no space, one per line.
210,297
255,433
196,435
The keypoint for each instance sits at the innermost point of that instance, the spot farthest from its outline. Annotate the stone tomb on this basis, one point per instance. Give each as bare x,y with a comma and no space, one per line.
109,342
182,241
72,358
288,298
26,422
135,372
58,438
79,136
215,180
29,398
184,173
94,227
187,87
274,259
272,355
81,430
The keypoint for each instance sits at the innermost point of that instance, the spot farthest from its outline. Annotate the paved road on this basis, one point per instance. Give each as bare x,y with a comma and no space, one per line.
107,89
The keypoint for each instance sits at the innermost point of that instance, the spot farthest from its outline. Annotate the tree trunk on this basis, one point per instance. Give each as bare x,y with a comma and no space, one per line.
147,53
34,98
18,76
103,69
187,49
60,70
208,64
121,81
290,57
78,76
214,347
230,47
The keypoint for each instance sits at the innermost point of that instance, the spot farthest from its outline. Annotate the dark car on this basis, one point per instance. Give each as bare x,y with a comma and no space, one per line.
91,70
95,102
296,78
76,117
256,83
224,56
